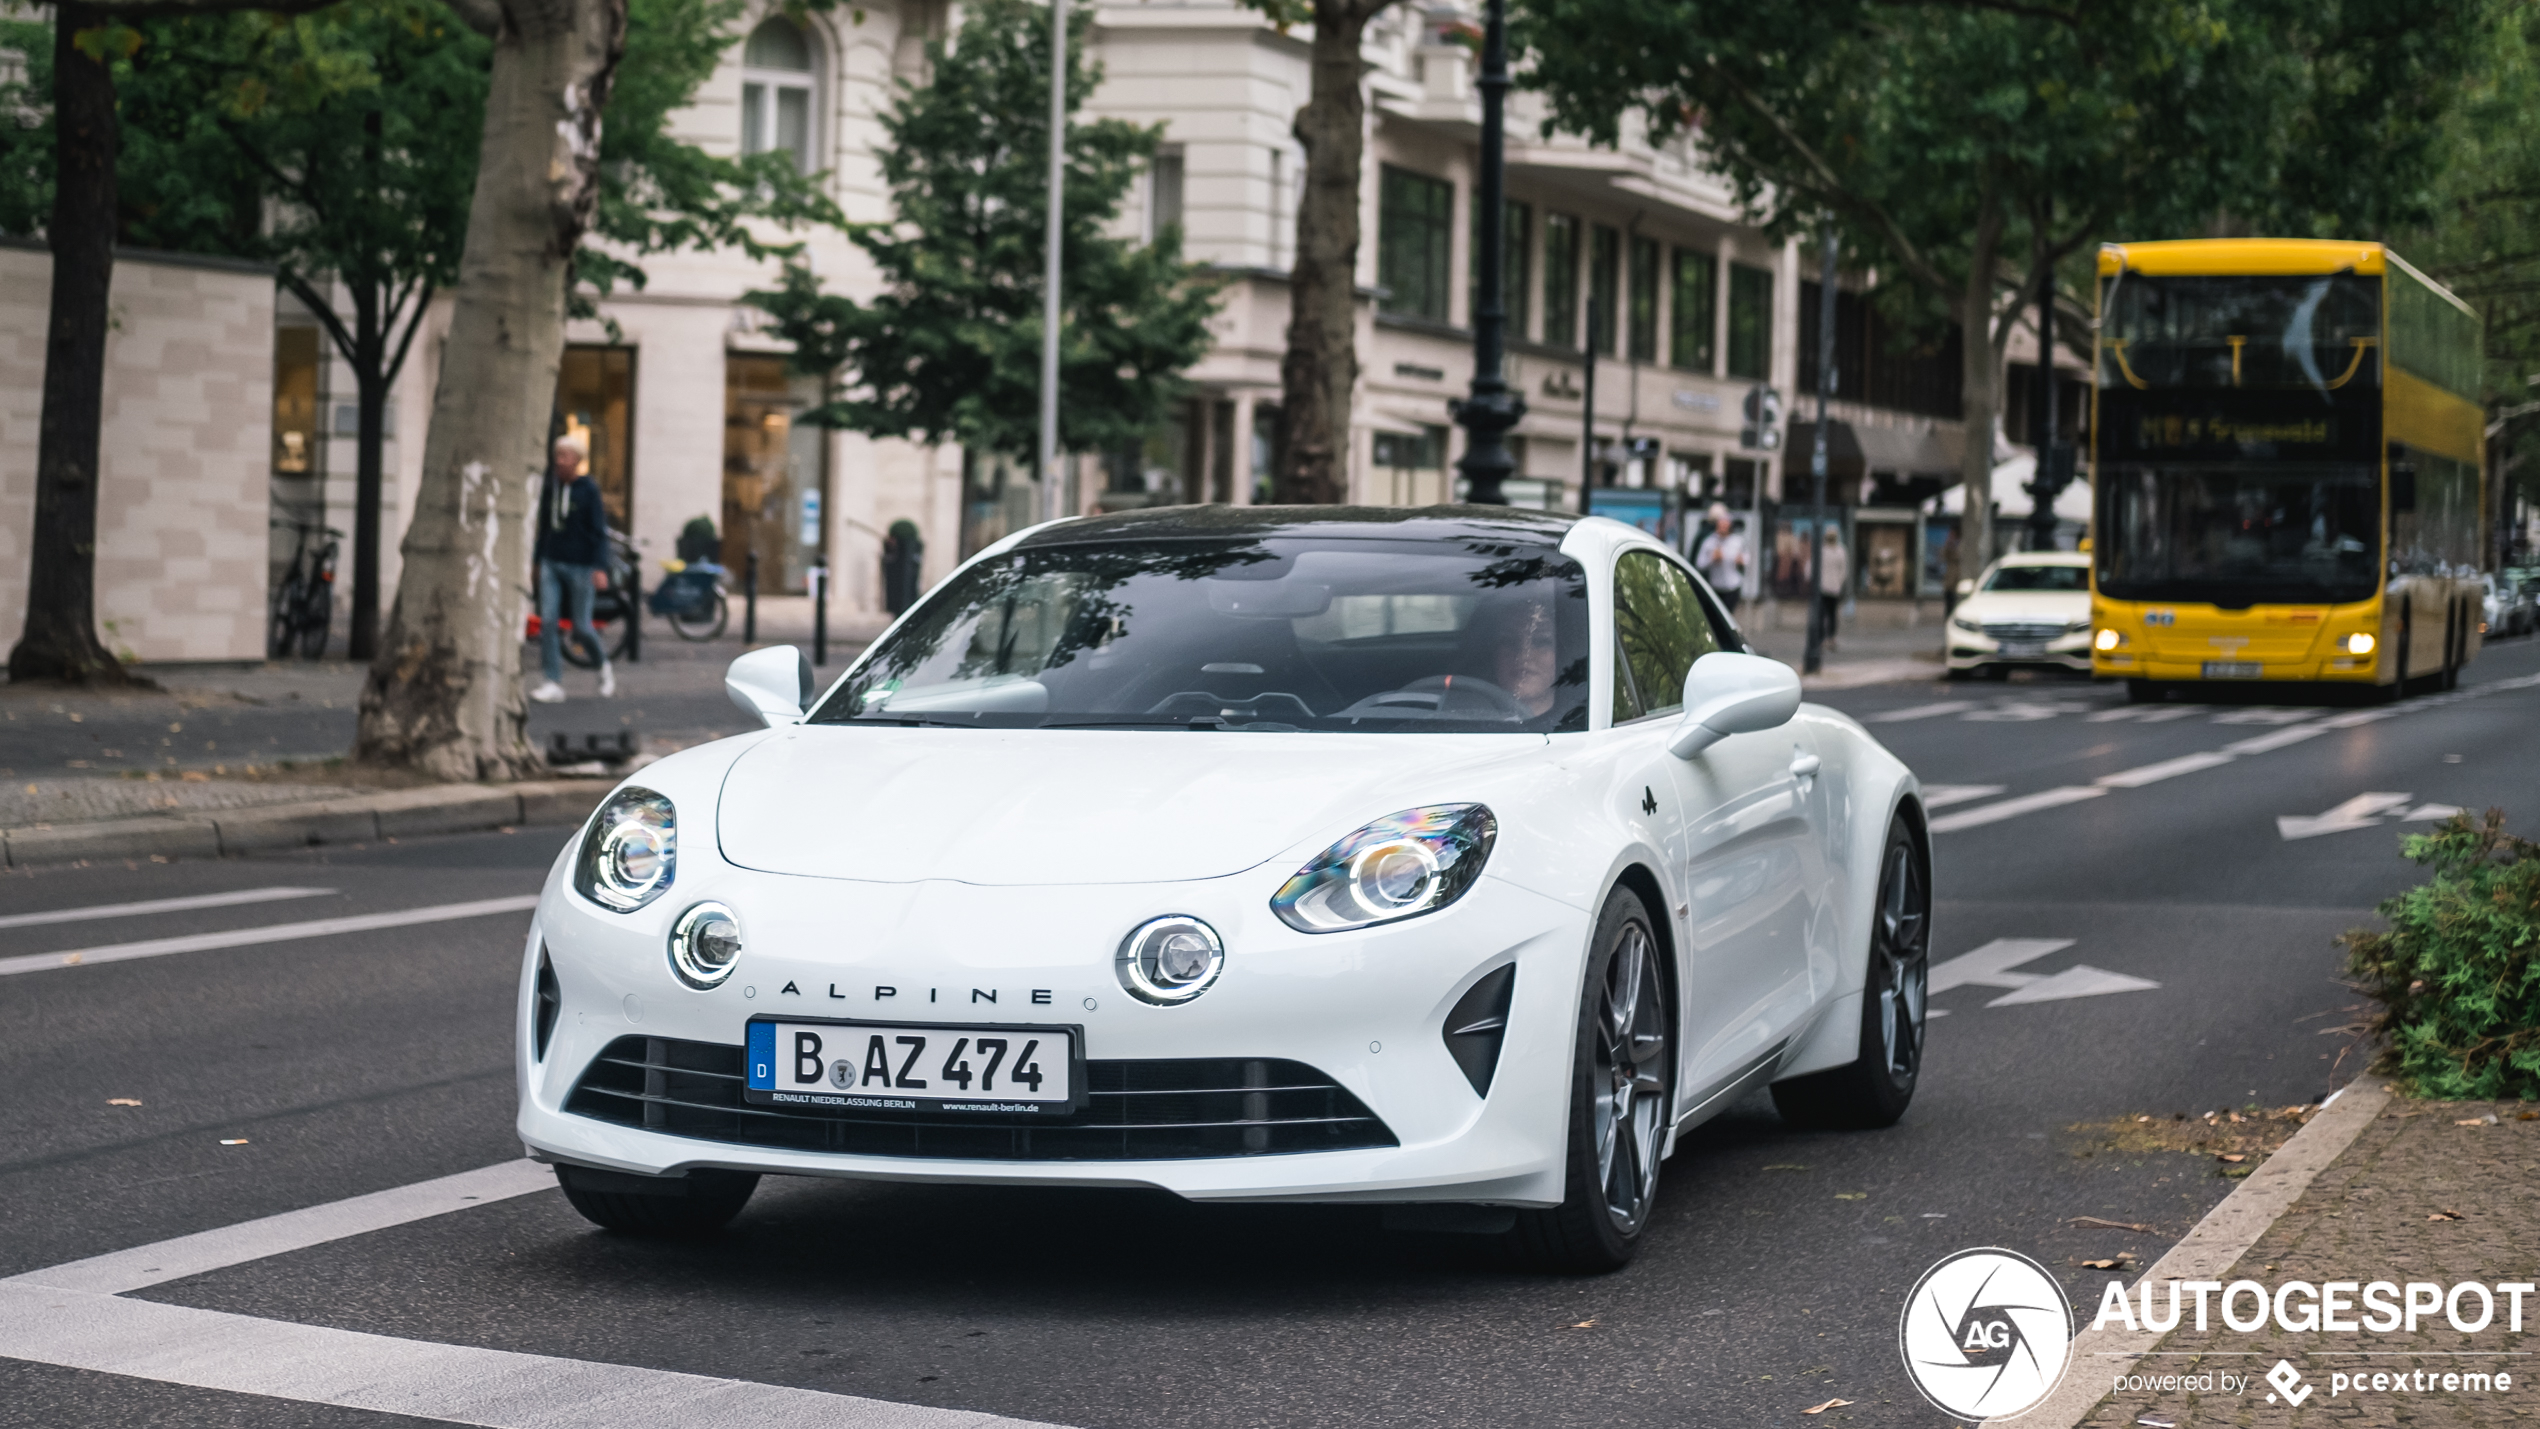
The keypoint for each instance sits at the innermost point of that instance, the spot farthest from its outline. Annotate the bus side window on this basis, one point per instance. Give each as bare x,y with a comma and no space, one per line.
2403,480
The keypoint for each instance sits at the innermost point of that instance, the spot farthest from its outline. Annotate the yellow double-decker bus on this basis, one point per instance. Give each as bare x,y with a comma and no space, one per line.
2289,456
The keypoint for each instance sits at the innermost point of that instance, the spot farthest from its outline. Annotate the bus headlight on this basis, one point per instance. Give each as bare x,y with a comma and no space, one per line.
2357,644
2108,639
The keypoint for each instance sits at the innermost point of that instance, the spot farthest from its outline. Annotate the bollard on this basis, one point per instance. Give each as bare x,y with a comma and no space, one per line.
635,612
749,600
820,615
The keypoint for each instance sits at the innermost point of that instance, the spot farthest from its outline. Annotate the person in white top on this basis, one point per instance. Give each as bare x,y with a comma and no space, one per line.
1831,575
1722,558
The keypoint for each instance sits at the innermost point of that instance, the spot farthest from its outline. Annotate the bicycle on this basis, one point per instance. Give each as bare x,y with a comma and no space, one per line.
691,599
304,603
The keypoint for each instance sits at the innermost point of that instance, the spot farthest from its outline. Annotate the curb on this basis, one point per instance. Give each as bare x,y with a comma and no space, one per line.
395,813
2214,1246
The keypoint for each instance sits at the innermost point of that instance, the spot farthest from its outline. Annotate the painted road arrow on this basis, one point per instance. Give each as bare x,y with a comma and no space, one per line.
2363,811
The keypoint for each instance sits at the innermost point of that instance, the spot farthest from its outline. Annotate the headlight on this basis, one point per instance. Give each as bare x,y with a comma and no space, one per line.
1400,866
1170,960
1960,622
705,945
631,852
2108,639
2357,644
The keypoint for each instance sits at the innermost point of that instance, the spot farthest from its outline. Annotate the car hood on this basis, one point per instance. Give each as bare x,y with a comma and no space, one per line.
2025,605
1010,807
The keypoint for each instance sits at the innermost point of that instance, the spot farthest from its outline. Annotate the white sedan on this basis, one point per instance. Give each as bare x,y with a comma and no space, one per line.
2030,608
1456,861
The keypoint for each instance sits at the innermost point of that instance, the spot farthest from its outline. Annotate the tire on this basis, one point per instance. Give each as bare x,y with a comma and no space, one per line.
1622,1085
279,625
2145,692
703,626
1874,1090
707,1202
313,624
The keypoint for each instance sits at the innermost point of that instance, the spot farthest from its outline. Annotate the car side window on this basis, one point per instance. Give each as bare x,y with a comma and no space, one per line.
1662,628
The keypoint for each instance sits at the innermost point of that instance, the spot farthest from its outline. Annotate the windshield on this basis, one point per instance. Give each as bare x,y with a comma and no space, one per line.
2069,580
1273,633
2240,536
2245,332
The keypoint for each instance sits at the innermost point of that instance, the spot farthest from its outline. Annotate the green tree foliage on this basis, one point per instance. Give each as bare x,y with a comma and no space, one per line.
2458,973
950,349
26,127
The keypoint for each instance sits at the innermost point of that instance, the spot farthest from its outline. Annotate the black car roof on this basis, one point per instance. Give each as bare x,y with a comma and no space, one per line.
1391,523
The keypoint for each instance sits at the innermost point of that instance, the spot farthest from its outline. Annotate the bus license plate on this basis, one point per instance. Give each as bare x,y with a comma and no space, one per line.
2233,669
897,1066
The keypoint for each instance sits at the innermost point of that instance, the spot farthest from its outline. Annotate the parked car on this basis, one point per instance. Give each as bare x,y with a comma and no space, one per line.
2511,607
1456,862
2031,608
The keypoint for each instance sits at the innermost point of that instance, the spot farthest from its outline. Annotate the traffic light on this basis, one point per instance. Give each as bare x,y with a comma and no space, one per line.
1763,429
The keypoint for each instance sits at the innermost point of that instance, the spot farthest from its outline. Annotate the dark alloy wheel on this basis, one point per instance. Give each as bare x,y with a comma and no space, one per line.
1875,1090
1622,1079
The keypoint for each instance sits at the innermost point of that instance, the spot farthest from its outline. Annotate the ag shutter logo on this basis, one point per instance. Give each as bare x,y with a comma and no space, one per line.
1986,1333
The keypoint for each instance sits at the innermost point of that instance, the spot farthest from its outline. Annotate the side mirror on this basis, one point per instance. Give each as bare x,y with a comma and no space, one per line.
1966,588
774,684
1728,694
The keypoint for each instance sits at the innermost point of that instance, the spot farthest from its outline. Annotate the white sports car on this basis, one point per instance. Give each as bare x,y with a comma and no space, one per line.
1457,860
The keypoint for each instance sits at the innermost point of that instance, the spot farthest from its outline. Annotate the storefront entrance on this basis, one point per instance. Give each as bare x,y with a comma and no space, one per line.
773,478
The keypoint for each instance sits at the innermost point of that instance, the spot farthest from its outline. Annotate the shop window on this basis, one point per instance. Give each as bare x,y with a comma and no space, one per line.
295,401
1750,321
1413,223
778,79
595,393
1411,467
773,476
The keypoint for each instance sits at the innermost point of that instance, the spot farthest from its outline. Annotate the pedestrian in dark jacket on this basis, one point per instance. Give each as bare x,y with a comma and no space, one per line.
572,549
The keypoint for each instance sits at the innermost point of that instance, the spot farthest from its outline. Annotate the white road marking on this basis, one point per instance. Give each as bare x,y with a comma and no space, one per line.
2431,813
160,905
2261,714
2289,735
2144,714
2023,711
1989,966
1918,712
2363,811
206,1251
2013,808
2078,981
1941,796
2141,775
75,1316
276,933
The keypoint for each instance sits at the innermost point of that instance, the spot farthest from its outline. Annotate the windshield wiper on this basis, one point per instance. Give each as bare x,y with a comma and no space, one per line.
1207,722
937,721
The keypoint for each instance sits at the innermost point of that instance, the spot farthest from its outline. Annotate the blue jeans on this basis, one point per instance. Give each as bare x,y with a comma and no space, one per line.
558,582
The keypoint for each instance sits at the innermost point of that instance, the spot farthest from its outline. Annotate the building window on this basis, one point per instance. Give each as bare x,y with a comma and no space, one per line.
776,89
1750,321
1644,309
1164,192
1693,310
1560,280
1414,218
1605,263
595,393
1517,249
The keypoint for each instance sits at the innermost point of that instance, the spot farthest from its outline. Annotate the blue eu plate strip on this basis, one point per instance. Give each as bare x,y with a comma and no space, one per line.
763,1056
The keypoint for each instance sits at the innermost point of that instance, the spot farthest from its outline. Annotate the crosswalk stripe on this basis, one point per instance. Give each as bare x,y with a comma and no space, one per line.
276,933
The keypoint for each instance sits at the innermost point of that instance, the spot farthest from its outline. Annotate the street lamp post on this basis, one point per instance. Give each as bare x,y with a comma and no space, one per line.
1492,409
1052,498
1815,659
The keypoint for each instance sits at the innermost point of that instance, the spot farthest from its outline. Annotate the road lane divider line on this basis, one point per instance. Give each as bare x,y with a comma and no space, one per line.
275,933
2012,808
459,1384
143,1266
1931,711
160,905
2213,1246
2276,739
2141,775
1941,796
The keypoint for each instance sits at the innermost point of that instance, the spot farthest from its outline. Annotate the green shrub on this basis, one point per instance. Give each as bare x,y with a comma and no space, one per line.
2458,974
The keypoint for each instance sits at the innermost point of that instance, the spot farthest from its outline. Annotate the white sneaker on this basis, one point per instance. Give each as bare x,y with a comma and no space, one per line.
549,693
608,680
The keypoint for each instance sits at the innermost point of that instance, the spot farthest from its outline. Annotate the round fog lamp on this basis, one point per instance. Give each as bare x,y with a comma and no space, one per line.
2359,644
705,945
1170,960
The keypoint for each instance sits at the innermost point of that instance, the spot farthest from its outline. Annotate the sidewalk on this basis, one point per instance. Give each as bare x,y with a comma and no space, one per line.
2439,1192
1877,643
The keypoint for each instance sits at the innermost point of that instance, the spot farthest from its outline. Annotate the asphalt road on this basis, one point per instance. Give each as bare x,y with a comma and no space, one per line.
1772,1277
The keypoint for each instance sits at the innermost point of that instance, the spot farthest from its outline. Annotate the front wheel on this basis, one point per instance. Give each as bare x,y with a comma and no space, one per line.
704,624
1622,1080
1875,1090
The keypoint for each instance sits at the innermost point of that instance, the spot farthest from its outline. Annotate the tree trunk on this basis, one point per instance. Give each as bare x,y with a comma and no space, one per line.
60,637
444,696
1319,374
1980,375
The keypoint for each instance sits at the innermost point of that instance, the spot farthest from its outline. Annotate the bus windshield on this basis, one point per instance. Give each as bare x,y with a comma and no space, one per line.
2237,536
2319,333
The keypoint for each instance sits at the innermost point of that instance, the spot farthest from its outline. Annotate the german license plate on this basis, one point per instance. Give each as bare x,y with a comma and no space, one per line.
899,1066
2023,649
2233,669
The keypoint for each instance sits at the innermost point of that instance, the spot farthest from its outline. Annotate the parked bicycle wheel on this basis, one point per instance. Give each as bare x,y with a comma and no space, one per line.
317,612
704,622
283,624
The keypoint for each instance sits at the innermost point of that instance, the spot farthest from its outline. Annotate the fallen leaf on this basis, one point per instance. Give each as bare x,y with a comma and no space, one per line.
2143,1118
2113,1225
2529,1116
2149,1422
2116,1264
241,1141
2475,1121
123,1101
1586,1324
2233,1157
1829,1404
2445,1216
1852,1195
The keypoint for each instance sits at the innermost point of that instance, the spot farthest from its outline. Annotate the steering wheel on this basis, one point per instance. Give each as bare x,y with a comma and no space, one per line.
1463,697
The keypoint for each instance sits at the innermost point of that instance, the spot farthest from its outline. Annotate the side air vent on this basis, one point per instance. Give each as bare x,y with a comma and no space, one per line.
1478,1023
542,1017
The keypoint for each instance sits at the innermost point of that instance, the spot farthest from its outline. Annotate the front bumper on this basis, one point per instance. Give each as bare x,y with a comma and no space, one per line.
1364,1009
1967,650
